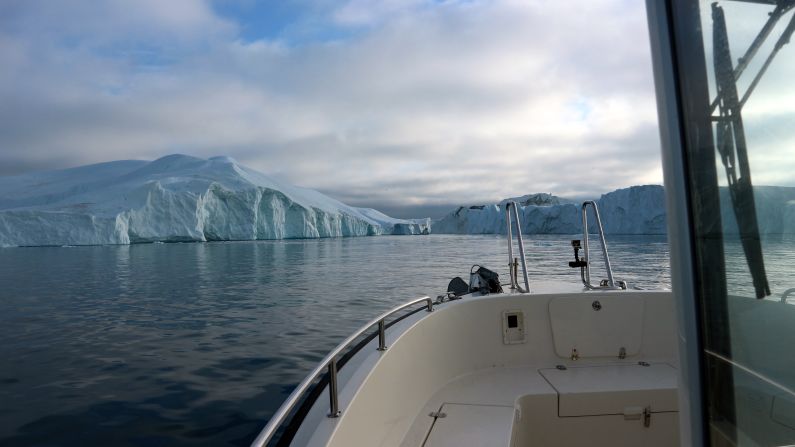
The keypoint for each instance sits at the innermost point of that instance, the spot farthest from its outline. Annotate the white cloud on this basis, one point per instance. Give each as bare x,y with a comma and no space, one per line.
369,13
439,102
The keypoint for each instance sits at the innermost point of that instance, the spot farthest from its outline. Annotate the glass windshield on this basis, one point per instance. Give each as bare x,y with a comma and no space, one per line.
741,160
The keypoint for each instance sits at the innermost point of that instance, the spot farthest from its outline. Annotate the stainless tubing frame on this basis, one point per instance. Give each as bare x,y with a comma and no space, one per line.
587,259
328,363
521,249
514,280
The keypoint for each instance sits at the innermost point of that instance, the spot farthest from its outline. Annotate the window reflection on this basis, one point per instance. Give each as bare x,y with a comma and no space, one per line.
750,328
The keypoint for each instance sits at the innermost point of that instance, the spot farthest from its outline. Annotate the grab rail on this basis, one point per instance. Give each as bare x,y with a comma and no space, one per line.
330,363
512,267
786,294
586,278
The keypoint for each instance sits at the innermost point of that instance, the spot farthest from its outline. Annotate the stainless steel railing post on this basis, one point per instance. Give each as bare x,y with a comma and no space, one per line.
332,389
381,336
611,283
585,246
521,249
511,273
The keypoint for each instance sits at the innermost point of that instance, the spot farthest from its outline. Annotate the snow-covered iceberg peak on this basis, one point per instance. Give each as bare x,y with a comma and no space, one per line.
175,198
223,159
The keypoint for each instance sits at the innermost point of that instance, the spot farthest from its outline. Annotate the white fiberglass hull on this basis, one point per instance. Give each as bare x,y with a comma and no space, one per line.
460,376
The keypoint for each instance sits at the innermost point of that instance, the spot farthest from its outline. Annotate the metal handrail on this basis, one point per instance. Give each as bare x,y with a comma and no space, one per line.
587,270
511,261
330,363
786,294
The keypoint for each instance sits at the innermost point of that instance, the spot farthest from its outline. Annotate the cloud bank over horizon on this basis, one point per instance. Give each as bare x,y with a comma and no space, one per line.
394,104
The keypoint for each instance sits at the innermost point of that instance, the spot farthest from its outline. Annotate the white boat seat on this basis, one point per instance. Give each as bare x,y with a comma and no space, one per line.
613,389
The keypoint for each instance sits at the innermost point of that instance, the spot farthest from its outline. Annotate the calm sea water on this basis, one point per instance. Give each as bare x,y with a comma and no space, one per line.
198,344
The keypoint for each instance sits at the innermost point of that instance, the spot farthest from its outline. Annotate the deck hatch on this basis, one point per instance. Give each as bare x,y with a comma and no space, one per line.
471,425
597,325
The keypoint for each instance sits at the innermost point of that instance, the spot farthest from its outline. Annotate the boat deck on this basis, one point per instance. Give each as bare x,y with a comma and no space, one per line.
488,396
485,407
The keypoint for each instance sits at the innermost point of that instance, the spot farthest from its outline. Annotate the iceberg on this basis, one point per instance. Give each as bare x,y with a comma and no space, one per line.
177,198
633,211
490,219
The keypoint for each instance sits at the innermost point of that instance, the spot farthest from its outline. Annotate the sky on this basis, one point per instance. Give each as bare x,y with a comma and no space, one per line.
408,106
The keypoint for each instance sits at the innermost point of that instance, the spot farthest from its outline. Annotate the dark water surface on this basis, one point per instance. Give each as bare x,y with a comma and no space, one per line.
199,343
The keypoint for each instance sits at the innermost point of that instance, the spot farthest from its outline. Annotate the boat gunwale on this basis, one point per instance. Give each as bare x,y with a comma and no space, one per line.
278,418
